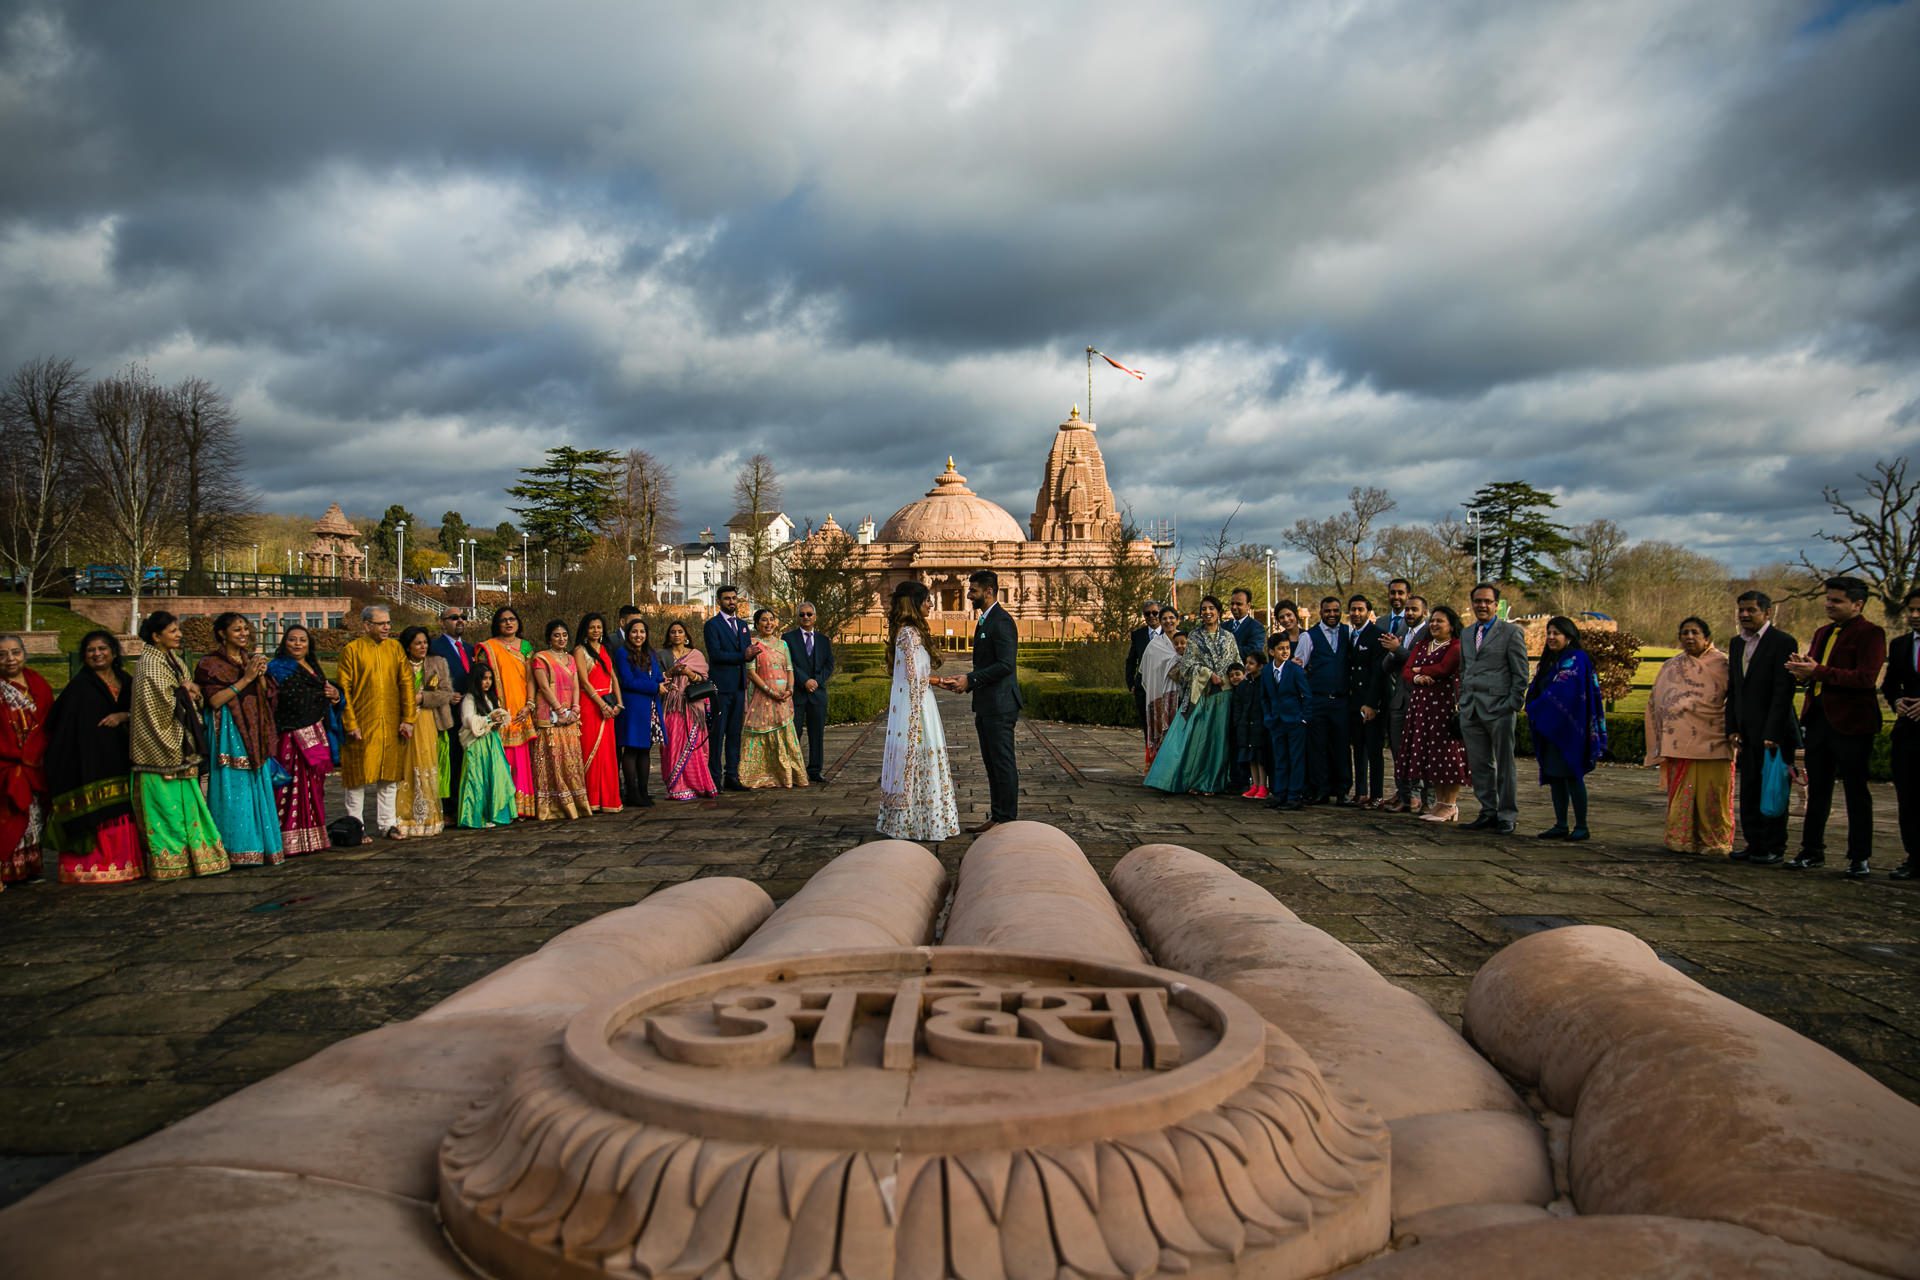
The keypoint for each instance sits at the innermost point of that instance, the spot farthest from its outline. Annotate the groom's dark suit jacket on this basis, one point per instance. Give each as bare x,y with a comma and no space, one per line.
996,651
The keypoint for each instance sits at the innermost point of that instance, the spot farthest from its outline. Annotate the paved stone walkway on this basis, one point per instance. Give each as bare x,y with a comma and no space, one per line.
124,1009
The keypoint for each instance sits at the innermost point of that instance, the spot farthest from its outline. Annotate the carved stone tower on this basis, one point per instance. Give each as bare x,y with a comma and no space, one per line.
1076,502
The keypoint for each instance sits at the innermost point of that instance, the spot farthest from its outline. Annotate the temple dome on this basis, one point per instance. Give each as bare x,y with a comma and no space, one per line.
951,512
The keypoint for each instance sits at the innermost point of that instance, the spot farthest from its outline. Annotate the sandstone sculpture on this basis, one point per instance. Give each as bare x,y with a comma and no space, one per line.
701,1086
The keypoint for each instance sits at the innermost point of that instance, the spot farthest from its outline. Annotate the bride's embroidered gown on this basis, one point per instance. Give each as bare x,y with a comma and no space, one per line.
916,786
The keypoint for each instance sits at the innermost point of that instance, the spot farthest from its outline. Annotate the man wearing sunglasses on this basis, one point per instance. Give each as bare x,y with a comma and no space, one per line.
812,667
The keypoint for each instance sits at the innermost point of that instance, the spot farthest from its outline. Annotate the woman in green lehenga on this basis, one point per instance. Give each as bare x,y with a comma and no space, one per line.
769,748
1194,756
168,746
486,783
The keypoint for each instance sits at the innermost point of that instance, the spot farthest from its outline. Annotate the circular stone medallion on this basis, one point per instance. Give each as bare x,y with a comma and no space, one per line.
891,1112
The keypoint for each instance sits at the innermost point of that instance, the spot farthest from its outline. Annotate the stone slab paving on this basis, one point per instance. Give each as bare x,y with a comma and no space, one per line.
124,1009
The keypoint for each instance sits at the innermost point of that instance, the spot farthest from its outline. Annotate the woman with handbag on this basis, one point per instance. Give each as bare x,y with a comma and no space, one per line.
168,746
636,669
1431,739
303,700
238,695
684,693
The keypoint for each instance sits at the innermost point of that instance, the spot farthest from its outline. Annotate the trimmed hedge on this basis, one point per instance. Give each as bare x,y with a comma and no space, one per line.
856,701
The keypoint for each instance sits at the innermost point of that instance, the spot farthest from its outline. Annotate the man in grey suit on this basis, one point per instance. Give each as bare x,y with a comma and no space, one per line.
1493,689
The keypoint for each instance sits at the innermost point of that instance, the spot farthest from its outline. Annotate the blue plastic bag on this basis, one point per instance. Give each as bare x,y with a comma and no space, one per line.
1776,784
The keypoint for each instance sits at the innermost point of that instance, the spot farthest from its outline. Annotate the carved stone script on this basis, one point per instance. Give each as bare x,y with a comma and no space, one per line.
971,1023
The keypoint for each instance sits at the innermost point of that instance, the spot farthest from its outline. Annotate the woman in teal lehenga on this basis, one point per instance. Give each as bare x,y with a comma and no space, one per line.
1194,756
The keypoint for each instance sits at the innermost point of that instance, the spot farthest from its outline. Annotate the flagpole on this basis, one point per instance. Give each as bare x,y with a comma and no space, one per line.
1089,384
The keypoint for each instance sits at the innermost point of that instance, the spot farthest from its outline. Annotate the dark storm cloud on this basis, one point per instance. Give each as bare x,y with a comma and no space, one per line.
1425,245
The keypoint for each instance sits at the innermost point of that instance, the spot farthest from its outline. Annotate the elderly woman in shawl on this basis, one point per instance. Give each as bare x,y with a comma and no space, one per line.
238,695
1687,738
88,772
1569,722
169,745
303,699
1157,680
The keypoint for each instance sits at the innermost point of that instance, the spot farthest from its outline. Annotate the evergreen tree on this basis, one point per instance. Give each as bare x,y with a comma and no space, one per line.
386,535
1517,536
568,498
453,531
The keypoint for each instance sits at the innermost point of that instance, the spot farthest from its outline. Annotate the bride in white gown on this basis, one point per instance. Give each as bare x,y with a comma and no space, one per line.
916,785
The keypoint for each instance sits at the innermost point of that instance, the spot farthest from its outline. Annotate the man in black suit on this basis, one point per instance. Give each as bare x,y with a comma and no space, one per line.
1137,649
996,696
1760,716
812,667
1367,693
1902,691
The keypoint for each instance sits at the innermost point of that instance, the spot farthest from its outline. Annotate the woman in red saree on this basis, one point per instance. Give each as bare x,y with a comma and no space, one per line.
600,703
25,700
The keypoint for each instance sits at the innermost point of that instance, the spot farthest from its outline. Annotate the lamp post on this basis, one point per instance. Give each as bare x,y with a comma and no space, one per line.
1475,523
1269,562
256,559
400,558
543,572
632,560
526,561
473,575
509,559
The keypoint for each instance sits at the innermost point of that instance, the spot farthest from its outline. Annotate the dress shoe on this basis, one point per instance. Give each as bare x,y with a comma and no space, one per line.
983,828
734,784
1905,871
1807,862
1857,869
1505,828
817,777
1482,822
1765,859
1554,832
1740,855
1579,833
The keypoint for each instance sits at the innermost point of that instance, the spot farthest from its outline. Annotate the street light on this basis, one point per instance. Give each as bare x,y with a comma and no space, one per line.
400,558
1475,522
543,572
473,575
509,559
632,560
526,562
1269,560
256,559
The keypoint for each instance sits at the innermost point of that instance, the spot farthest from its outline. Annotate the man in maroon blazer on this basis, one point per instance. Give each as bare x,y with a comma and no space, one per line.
1841,718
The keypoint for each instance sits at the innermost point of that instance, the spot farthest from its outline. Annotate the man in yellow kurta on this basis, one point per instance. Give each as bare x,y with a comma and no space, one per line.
377,712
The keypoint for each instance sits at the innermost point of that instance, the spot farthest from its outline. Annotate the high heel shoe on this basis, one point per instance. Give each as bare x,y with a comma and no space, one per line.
1441,813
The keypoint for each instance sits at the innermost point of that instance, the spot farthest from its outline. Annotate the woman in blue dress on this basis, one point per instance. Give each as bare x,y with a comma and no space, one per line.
1568,718
637,668
1194,757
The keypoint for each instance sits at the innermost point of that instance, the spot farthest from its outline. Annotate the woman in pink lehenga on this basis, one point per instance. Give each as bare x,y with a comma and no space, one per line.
683,724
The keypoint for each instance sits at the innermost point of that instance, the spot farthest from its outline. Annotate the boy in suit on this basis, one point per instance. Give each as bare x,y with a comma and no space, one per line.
1840,720
1759,716
1902,690
1283,699
1243,731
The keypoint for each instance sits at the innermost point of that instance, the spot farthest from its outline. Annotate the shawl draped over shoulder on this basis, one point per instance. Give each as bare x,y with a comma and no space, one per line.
1565,708
1687,710
80,751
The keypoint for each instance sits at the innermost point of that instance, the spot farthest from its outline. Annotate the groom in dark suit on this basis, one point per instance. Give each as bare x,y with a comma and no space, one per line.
996,696
727,639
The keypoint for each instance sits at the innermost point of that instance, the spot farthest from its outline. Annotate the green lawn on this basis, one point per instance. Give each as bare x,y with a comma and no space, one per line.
52,617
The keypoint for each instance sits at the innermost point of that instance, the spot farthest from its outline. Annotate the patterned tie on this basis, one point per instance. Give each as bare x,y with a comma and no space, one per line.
807,636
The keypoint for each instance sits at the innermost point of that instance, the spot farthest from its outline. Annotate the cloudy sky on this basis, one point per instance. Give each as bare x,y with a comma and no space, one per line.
1661,258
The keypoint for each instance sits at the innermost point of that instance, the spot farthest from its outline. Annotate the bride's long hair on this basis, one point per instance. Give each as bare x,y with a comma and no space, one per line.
908,608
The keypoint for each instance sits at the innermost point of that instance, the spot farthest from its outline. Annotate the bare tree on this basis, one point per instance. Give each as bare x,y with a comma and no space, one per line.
216,504
1127,576
41,493
756,500
1428,556
1583,568
1215,555
645,514
130,460
827,569
1880,540
1340,548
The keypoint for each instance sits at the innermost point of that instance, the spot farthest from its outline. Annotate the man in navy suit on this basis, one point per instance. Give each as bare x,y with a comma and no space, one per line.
1323,652
996,696
452,645
1246,629
812,667
727,639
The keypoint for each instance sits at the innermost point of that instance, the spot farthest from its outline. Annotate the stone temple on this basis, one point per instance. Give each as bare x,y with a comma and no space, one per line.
1050,571
1027,1074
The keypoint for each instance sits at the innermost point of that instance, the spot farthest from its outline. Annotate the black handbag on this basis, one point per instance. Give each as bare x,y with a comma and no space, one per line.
700,691
1455,729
